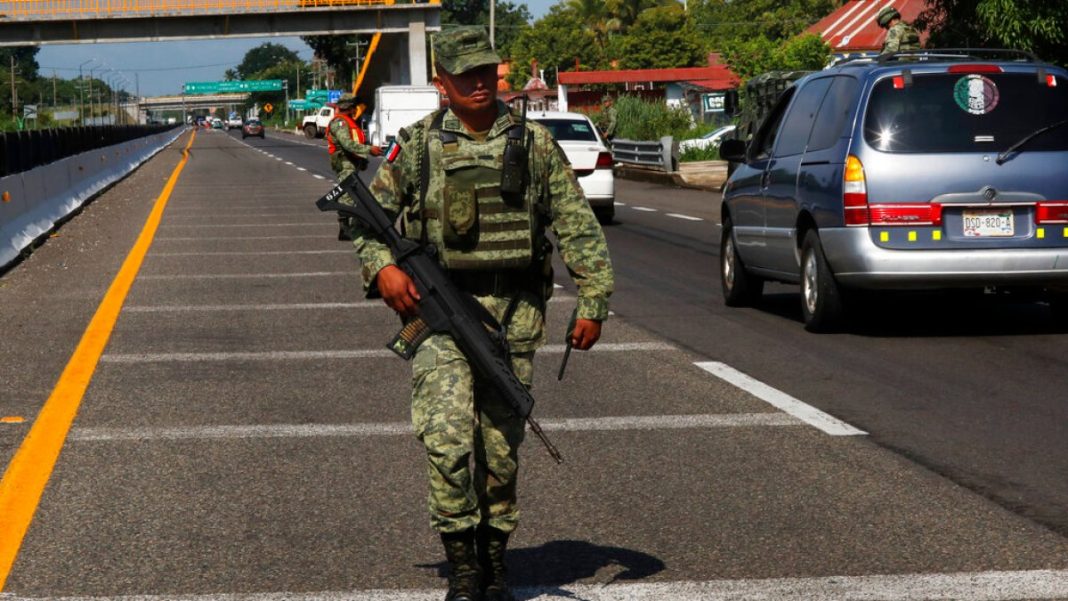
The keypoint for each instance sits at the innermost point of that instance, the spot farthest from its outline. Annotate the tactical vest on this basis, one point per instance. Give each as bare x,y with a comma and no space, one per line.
910,38
357,133
465,215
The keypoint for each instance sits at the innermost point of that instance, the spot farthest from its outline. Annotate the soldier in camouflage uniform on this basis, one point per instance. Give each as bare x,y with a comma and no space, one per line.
442,175
901,36
348,148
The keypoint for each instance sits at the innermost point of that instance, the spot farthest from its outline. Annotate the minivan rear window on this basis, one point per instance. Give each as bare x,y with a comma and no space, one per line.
966,112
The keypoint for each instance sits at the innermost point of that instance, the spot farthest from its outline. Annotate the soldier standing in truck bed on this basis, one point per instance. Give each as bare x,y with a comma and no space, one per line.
901,36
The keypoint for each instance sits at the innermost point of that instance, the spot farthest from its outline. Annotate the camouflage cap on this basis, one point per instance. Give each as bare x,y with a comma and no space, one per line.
886,14
464,48
347,101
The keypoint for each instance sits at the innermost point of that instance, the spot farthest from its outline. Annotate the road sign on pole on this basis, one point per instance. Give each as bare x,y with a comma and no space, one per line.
268,108
223,87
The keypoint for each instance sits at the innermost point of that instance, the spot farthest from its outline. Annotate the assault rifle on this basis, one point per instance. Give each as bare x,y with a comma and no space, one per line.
443,307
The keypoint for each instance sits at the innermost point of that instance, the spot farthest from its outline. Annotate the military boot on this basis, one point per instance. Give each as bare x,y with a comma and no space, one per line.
463,565
492,544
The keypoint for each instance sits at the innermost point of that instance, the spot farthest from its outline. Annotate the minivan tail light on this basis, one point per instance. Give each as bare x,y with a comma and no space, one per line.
855,193
975,69
604,161
905,214
1051,212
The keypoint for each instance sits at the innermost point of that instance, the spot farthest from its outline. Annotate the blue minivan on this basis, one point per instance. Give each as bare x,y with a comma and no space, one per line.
936,169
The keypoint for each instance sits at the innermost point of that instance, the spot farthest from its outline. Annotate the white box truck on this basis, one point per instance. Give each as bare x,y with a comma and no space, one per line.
399,106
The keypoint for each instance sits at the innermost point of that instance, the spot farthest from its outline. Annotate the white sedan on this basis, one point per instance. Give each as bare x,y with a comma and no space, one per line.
710,140
589,157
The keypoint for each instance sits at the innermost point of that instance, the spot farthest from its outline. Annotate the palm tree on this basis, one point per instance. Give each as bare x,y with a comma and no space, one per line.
596,16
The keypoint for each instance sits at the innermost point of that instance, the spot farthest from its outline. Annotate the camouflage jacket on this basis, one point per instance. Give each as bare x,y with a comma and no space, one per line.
579,237
351,155
901,37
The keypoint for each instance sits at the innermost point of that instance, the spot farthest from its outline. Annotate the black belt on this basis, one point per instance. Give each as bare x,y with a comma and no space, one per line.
492,283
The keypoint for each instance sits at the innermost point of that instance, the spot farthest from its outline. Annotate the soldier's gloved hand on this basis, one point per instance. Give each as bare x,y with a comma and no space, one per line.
587,333
376,151
398,290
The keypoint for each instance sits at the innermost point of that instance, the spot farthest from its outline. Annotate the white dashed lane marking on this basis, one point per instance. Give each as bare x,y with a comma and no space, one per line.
591,424
974,586
807,413
685,217
551,349
645,209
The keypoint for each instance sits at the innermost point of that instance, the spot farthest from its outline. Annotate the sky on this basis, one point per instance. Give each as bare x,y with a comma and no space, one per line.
161,68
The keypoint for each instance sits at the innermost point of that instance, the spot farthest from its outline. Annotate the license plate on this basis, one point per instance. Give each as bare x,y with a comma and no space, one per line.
988,223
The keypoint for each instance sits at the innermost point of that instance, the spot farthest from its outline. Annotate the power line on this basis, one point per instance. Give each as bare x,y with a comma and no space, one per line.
231,64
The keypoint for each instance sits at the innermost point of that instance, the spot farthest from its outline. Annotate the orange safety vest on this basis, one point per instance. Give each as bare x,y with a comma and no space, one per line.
357,133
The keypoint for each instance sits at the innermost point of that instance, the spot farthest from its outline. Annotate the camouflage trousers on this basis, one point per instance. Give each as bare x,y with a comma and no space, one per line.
471,438
345,223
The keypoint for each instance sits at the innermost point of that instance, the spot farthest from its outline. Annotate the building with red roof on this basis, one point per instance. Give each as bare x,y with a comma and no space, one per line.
852,28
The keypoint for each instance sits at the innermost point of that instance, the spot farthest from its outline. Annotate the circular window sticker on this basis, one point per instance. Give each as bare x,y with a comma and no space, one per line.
976,94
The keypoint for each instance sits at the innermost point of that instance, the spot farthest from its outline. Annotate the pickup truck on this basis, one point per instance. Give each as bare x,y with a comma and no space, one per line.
314,125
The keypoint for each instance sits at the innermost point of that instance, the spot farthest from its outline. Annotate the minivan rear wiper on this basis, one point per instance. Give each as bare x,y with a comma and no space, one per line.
1031,136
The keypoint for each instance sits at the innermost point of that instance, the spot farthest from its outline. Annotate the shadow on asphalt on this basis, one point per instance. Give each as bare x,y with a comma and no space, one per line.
563,562
931,314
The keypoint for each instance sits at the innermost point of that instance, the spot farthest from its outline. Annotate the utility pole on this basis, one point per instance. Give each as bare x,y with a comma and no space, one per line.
53,88
14,92
493,24
137,90
298,81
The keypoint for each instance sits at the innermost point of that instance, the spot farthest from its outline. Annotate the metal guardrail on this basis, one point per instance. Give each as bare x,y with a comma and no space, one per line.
92,9
662,154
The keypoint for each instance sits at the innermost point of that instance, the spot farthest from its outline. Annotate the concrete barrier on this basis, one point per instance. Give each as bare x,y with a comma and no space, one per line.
34,201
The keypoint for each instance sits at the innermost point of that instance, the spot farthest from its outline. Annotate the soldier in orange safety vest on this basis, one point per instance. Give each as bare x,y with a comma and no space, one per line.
348,147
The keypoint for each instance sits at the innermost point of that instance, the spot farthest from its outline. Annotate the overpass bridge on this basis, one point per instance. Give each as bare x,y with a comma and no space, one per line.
402,25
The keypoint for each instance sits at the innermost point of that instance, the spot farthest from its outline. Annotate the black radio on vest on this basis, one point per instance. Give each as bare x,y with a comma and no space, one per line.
514,171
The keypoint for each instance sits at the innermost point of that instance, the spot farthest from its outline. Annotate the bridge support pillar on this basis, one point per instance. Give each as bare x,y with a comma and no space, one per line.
417,64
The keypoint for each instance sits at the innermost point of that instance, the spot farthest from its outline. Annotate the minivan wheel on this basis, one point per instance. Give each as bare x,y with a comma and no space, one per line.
310,131
740,288
822,306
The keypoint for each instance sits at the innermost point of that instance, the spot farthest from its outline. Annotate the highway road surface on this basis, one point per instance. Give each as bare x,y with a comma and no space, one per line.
198,405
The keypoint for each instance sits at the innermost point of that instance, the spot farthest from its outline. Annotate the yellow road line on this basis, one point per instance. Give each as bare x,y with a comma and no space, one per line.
28,473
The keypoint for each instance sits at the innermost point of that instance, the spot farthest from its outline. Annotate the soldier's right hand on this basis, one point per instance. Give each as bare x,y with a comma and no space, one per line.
398,290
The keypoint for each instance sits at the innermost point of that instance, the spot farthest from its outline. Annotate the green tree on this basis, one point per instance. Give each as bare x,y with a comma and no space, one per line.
556,41
728,22
263,57
660,38
511,19
339,52
759,55
626,12
594,14
1030,25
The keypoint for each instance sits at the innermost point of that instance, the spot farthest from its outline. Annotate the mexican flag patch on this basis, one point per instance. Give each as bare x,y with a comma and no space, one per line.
393,151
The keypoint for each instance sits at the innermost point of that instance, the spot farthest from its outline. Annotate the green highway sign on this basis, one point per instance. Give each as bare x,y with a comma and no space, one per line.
228,87
303,105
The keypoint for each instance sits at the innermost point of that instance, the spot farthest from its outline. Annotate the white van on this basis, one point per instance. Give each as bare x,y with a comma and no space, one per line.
400,106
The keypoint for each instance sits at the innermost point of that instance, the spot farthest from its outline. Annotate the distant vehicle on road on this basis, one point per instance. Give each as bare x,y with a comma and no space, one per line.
589,157
710,140
902,173
400,106
253,127
233,121
217,123
314,125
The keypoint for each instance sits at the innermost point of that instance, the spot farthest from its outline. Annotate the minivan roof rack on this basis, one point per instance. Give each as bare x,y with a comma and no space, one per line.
960,54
